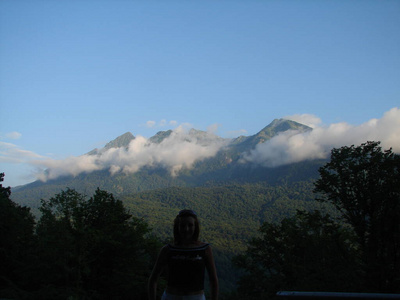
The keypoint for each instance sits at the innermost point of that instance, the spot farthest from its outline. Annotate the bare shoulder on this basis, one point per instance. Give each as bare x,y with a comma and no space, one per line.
208,249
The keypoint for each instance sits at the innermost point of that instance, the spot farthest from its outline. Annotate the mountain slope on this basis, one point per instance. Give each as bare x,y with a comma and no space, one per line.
223,168
274,128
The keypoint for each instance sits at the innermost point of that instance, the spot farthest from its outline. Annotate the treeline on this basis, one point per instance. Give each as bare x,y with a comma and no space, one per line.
208,173
79,249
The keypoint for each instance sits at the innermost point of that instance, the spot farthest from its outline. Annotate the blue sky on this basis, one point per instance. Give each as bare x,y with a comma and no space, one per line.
76,74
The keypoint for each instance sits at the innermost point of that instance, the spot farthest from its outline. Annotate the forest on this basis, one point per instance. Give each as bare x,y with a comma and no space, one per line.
338,233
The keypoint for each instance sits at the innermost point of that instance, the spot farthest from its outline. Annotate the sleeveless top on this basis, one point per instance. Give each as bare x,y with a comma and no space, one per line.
186,268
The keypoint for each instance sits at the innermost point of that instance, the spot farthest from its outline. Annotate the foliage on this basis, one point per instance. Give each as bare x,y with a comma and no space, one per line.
16,241
308,251
363,183
80,249
229,215
96,250
358,250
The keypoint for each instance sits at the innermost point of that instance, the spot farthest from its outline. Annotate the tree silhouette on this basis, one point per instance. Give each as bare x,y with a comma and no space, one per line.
93,249
16,243
363,183
308,251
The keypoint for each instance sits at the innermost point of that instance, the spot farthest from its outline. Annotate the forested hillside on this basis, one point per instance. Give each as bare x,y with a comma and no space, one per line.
229,215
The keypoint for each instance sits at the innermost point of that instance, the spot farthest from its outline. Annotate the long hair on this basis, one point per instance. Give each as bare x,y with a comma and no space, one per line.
182,214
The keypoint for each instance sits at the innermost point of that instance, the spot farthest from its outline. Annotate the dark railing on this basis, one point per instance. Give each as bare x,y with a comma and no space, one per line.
330,295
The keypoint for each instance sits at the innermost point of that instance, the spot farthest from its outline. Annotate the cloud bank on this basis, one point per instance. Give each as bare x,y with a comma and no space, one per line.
291,146
179,150
182,149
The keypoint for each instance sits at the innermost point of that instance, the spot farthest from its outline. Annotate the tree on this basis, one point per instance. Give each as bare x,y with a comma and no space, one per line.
16,242
363,183
93,249
308,251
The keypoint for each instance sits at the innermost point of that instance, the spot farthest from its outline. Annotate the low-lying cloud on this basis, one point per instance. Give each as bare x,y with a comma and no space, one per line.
182,150
179,150
291,146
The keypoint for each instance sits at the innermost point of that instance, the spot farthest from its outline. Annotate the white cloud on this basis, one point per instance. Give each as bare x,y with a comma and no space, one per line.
10,153
306,119
161,123
213,128
13,135
180,150
292,146
150,124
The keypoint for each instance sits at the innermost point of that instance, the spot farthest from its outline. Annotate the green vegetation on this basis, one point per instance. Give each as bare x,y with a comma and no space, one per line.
266,221
358,251
229,215
306,252
81,249
363,183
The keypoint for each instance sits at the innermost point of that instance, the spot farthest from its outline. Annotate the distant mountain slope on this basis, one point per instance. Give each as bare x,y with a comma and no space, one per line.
223,168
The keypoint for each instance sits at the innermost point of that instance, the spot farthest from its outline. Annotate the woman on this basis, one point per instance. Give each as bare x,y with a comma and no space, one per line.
185,262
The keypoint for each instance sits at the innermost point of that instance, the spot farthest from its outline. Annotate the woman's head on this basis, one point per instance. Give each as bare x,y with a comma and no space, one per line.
186,227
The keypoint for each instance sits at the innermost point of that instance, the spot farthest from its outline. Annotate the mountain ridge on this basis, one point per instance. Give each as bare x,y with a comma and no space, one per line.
275,127
222,168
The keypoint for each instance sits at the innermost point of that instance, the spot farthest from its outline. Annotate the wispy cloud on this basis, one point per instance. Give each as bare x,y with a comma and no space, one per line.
150,124
14,135
161,123
11,153
306,119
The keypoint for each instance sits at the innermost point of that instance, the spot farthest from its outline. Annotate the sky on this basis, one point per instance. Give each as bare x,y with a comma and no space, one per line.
75,75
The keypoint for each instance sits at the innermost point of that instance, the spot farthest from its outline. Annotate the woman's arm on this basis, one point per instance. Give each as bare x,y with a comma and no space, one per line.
212,274
155,274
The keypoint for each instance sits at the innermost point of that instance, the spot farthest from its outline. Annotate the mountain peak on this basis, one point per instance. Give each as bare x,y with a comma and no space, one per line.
160,136
275,127
281,125
121,141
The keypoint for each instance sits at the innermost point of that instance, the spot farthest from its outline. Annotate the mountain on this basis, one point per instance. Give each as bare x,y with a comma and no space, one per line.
121,141
222,168
160,136
232,197
277,126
